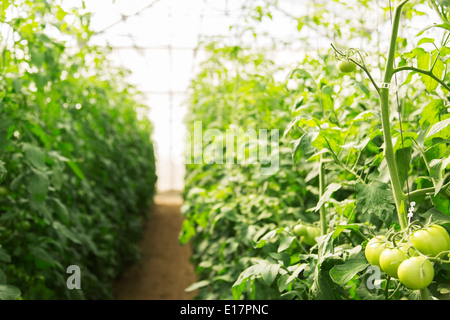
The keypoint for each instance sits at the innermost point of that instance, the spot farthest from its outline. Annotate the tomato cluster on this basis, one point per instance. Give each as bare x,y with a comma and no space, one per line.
409,259
306,233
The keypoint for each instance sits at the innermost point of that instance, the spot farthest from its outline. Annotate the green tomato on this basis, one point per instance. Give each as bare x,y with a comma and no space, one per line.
346,66
374,248
439,231
310,237
390,259
416,273
431,241
300,230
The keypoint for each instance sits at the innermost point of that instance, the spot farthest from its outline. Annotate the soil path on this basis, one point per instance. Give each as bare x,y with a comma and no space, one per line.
164,271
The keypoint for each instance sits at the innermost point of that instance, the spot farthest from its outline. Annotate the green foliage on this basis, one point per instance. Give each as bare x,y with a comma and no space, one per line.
77,161
241,223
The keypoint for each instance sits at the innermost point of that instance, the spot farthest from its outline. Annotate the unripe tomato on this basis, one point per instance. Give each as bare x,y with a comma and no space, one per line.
310,237
390,259
374,248
431,241
416,273
300,230
346,66
441,232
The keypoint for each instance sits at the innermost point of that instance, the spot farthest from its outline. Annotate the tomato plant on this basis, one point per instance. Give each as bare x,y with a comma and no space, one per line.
77,168
351,165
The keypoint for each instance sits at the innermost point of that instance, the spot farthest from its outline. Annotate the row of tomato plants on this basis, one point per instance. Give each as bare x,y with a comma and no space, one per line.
356,157
77,167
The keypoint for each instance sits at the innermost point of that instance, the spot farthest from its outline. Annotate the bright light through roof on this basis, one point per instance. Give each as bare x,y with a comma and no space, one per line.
156,39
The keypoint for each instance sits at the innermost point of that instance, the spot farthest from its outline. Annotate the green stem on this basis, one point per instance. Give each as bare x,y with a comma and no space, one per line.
425,72
322,212
420,192
424,294
386,289
340,163
399,196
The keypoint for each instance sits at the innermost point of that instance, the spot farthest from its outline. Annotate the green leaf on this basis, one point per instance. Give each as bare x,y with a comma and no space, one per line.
65,232
303,148
376,199
285,243
269,235
437,127
441,203
322,286
197,285
338,230
327,194
76,170
247,273
38,187
445,26
436,216
424,62
425,40
3,170
34,155
269,272
44,259
61,211
3,278
187,231
437,167
343,273
238,288
431,112
286,279
8,292
4,256
403,160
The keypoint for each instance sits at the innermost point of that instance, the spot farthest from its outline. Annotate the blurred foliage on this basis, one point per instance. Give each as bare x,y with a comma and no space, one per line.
76,156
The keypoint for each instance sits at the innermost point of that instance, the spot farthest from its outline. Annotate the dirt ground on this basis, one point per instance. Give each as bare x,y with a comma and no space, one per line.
164,271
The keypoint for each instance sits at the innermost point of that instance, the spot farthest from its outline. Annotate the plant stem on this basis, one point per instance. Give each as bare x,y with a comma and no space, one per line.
322,212
399,196
386,289
425,72
420,192
424,294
